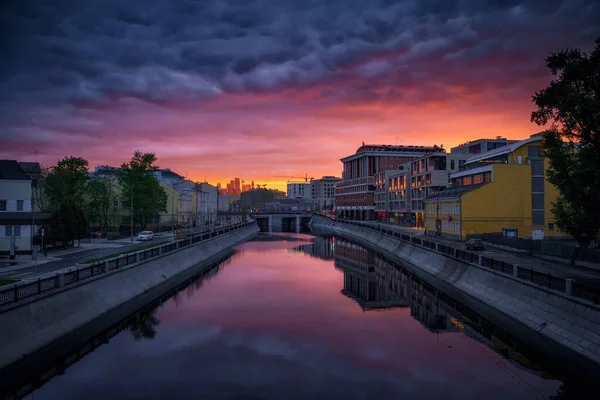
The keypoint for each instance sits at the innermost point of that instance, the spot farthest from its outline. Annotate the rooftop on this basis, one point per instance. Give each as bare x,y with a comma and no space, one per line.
502,150
11,170
497,138
392,148
454,191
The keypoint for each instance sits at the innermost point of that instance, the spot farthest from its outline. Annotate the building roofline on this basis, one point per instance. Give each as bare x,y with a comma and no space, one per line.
503,150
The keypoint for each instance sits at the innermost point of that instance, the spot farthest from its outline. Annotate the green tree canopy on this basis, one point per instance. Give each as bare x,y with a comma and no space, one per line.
137,181
101,193
65,188
570,105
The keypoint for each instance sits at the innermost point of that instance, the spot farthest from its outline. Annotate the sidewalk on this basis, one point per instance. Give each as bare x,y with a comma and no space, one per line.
555,268
25,261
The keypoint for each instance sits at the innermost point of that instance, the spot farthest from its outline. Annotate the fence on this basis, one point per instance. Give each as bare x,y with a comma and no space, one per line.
567,286
13,293
547,247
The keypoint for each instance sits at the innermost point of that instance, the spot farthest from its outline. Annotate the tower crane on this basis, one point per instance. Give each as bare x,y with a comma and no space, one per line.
305,177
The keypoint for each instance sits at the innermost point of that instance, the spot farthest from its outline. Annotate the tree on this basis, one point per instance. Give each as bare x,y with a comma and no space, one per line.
571,105
144,326
65,188
137,180
40,200
101,192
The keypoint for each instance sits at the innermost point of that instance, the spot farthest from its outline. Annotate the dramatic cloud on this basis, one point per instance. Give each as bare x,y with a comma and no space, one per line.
268,83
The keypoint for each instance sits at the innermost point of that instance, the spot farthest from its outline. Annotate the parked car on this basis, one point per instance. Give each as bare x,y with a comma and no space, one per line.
146,235
475,244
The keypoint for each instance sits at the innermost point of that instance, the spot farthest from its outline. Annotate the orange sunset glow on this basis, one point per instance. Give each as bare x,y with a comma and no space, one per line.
235,90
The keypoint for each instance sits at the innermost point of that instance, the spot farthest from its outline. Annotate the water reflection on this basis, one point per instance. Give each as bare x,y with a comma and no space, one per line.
273,324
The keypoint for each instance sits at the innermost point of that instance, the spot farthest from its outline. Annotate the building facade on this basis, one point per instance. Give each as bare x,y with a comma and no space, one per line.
482,145
299,190
355,193
503,190
19,221
429,175
323,192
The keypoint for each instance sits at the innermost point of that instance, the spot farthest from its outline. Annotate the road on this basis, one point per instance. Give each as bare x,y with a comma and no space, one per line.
70,259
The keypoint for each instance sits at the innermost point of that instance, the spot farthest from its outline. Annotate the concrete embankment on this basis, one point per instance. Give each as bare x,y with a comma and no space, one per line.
37,324
550,322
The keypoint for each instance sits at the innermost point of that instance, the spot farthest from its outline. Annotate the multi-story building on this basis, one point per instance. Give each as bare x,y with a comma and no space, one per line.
299,190
382,197
354,196
429,175
482,145
18,219
502,190
323,192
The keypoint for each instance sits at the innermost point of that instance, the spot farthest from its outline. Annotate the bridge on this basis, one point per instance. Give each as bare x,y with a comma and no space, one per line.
284,221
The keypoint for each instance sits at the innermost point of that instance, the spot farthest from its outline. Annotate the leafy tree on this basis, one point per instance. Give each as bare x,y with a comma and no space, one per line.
144,326
101,192
40,200
571,106
138,182
65,187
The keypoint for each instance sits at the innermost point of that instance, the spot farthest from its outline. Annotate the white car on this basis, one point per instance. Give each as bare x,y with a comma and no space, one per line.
146,235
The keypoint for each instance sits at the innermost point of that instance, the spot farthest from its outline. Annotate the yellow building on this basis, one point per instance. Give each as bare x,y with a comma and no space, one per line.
502,190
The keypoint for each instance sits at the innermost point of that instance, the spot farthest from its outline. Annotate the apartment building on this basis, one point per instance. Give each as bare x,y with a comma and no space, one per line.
299,190
18,220
355,193
429,175
323,192
482,145
502,190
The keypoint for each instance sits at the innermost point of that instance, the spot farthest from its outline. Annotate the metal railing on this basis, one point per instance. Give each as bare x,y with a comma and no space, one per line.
13,293
546,280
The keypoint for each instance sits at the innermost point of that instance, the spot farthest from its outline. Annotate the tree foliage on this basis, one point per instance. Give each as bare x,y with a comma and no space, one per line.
570,105
101,197
65,187
138,182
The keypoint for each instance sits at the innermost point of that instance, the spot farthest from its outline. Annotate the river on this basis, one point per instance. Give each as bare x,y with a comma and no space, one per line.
291,316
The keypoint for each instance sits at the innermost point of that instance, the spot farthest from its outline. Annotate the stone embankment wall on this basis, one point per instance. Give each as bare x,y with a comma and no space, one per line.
35,324
547,320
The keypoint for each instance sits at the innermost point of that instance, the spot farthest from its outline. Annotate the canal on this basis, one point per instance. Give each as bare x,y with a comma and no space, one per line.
294,316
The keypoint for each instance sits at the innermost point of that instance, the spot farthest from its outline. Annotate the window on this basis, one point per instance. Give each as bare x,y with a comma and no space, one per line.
452,164
519,159
537,201
477,179
537,218
115,203
537,184
487,177
20,205
2,205
550,226
466,180
14,230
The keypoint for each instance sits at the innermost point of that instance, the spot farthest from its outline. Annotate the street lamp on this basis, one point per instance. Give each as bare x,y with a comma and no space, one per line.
131,209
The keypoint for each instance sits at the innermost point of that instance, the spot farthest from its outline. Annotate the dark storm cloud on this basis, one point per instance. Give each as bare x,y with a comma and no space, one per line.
91,53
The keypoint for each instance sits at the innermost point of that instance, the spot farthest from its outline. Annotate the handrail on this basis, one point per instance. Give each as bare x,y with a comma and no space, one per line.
10,294
569,287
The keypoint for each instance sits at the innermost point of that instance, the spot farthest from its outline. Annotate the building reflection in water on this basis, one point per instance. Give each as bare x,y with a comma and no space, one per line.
322,247
376,283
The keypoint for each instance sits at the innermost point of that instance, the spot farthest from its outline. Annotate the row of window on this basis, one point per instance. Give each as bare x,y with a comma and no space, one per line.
444,208
12,230
20,206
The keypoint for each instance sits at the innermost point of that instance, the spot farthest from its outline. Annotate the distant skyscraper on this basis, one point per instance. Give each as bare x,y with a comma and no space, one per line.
237,186
252,187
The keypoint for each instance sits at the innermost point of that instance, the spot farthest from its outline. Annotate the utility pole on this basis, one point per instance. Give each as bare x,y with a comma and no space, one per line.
131,214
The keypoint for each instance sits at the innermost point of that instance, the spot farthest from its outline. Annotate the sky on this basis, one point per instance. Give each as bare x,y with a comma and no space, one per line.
262,88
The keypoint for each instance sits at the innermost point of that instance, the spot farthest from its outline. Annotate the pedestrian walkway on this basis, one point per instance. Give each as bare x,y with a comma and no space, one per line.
555,268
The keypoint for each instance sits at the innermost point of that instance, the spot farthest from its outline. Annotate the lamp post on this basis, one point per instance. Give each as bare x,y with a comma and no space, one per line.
131,209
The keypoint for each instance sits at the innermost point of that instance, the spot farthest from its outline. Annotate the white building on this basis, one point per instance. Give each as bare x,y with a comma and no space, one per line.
17,221
323,191
302,190
207,203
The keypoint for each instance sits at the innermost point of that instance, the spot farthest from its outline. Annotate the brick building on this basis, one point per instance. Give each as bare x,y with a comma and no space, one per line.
354,196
